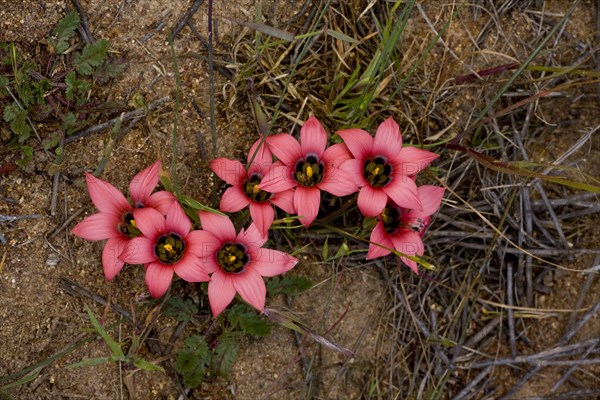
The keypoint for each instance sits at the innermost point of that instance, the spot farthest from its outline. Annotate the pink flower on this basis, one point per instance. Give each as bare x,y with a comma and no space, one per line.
245,190
237,262
383,167
402,229
308,167
166,247
115,220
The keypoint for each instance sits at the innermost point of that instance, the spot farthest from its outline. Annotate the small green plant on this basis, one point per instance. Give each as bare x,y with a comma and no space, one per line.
53,88
117,353
199,359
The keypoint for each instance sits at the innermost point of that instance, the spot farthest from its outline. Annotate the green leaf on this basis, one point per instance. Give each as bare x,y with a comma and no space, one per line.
289,285
196,205
75,87
226,354
64,30
69,123
115,348
180,309
26,379
93,55
193,361
325,250
17,117
52,140
147,365
341,36
248,320
3,81
254,324
26,155
89,362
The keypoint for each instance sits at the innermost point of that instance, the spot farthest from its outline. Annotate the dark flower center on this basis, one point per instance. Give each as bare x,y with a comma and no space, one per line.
394,218
309,171
232,257
377,171
253,192
128,227
391,217
169,248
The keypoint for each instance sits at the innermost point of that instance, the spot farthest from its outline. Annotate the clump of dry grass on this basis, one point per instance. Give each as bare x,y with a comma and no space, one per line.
487,87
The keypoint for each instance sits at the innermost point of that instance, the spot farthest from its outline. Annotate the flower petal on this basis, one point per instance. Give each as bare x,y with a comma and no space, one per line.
379,236
388,141
204,245
231,171
262,160
431,199
233,200
251,287
359,142
220,292
268,262
262,214
409,243
111,262
251,238
337,182
219,225
403,191
161,200
98,226
285,148
150,222
158,278
142,185
306,203
106,197
354,168
313,137
278,179
285,201
177,222
139,250
336,154
371,202
414,160
189,268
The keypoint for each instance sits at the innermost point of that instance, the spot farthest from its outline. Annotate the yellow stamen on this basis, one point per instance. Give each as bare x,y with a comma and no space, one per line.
375,171
232,258
309,172
255,189
132,222
384,216
169,248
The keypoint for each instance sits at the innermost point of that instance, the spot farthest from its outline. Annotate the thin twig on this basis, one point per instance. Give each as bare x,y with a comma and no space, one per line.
83,28
66,223
186,17
511,320
124,117
473,382
76,289
13,218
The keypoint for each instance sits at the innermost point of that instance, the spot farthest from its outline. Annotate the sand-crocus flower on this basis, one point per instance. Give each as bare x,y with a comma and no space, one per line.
237,262
245,191
402,229
166,247
115,220
383,168
308,167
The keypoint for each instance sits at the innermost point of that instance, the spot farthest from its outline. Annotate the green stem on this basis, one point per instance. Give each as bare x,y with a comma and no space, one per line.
175,117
